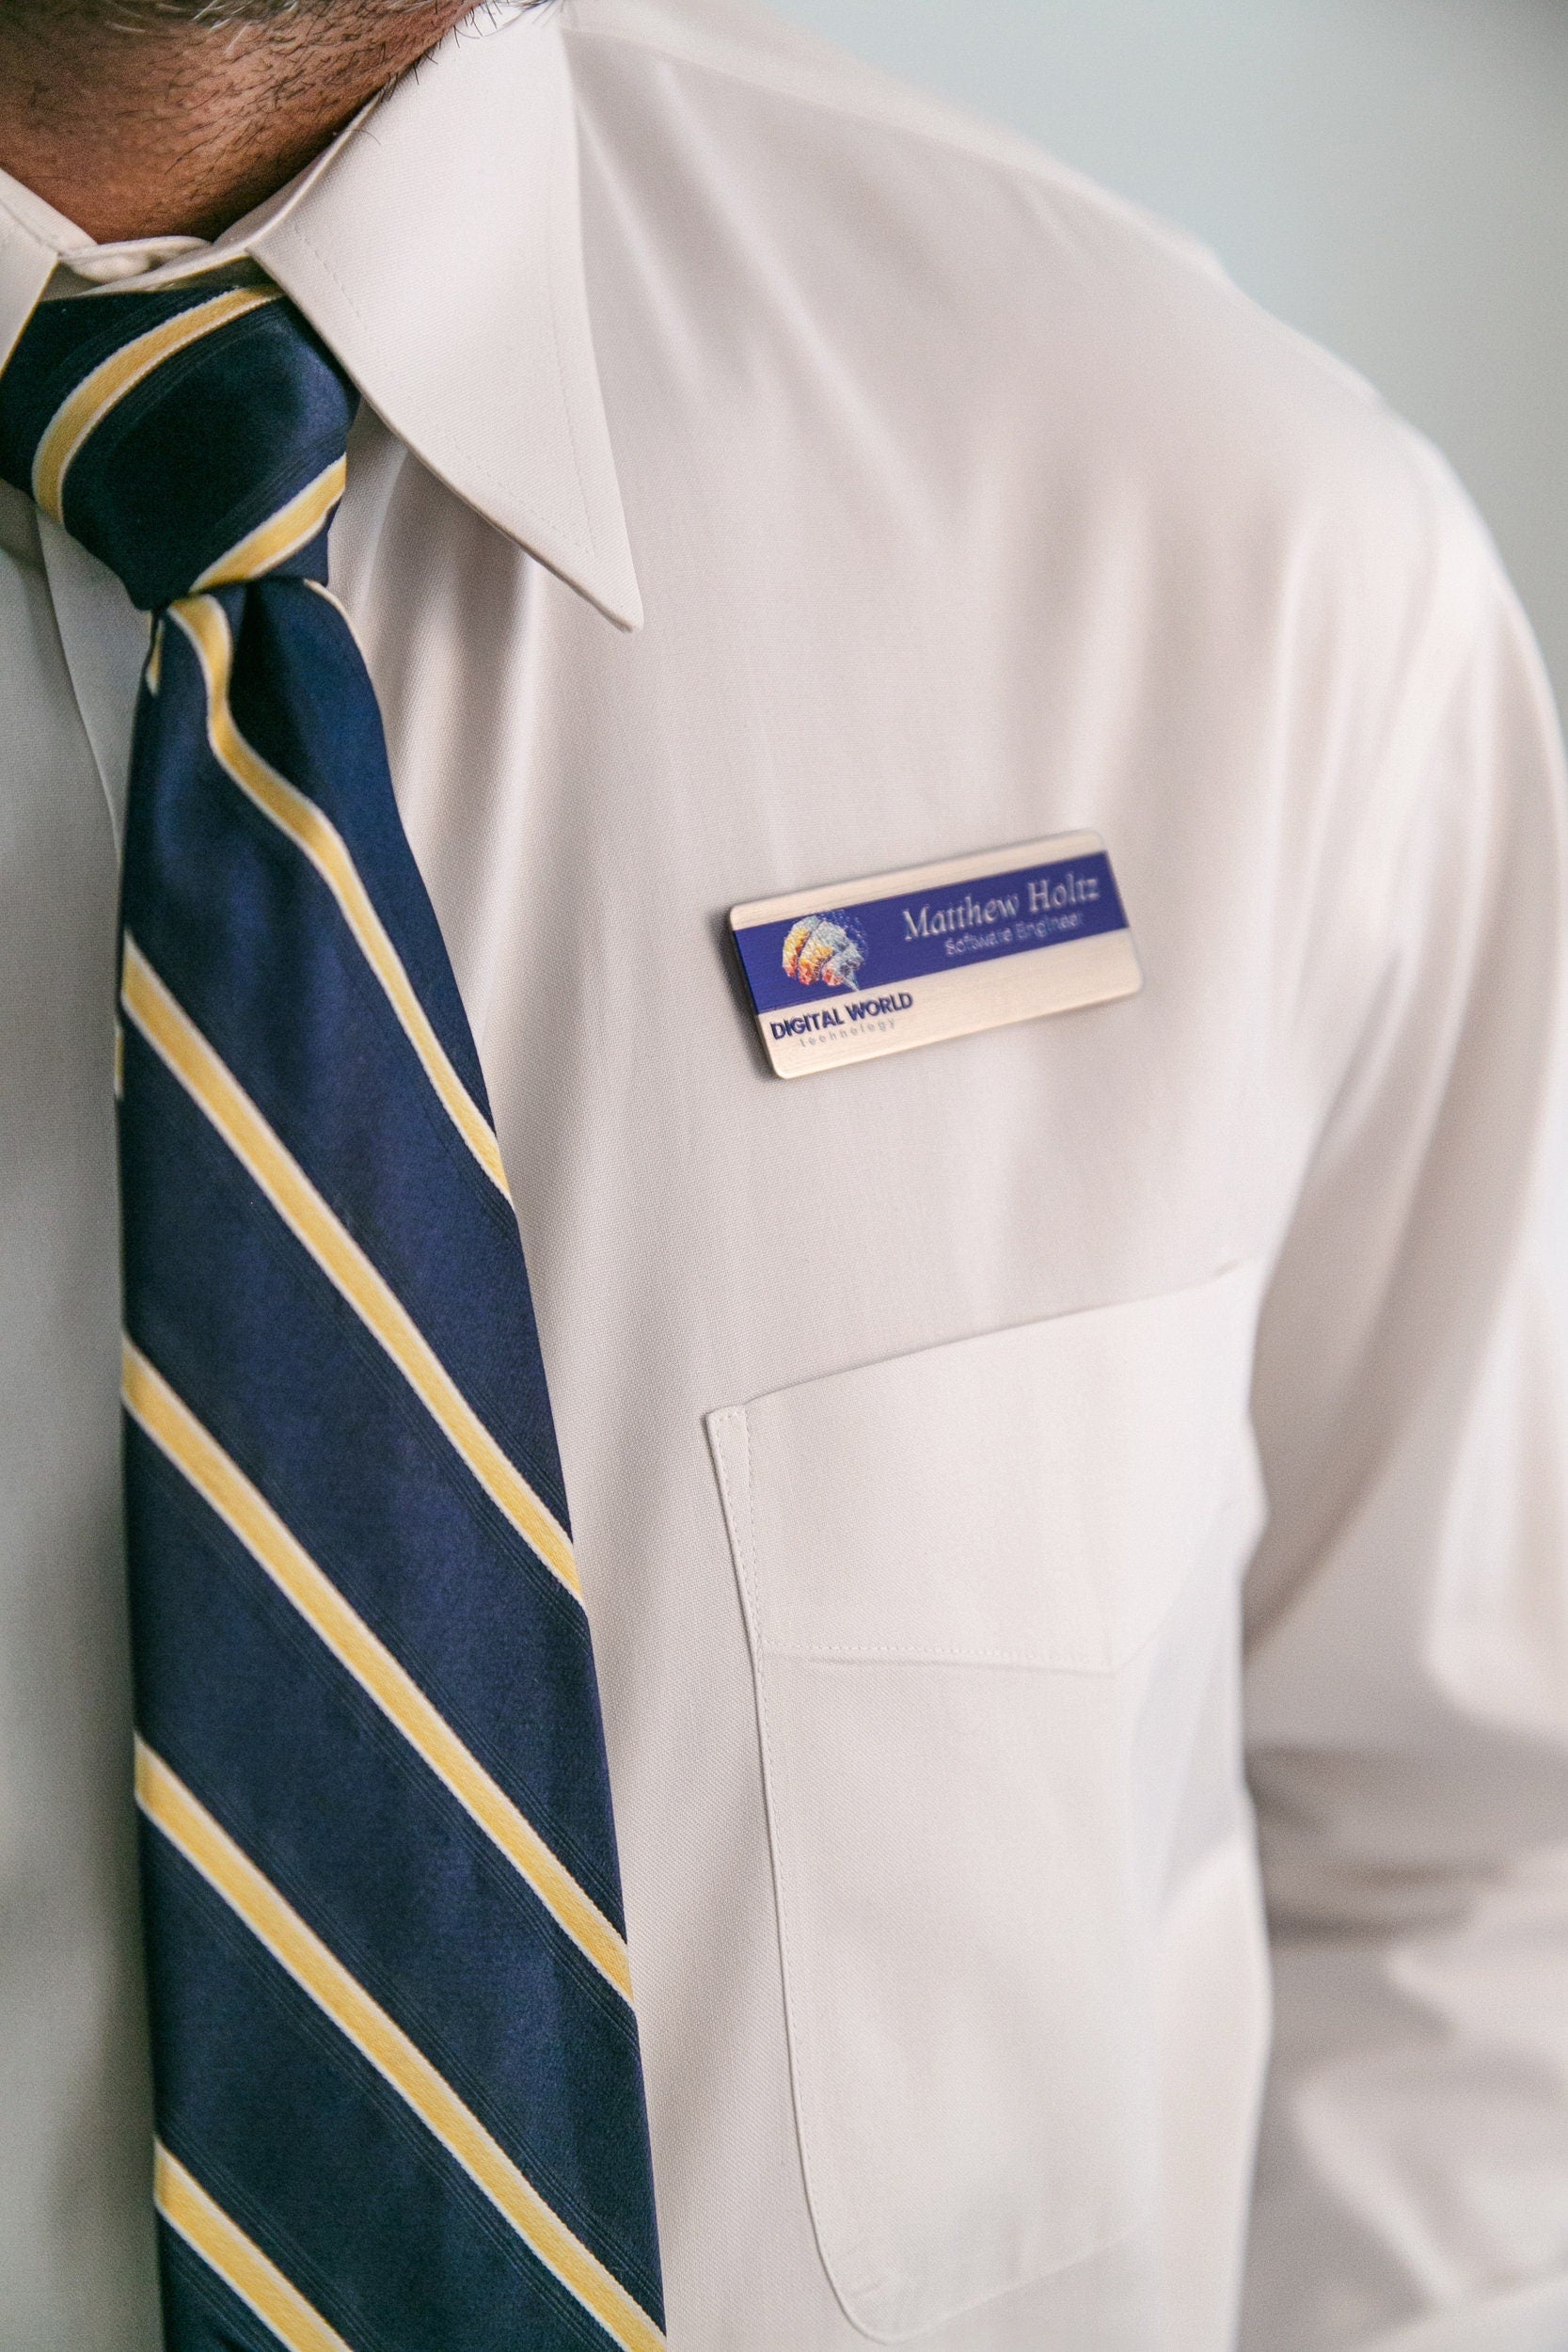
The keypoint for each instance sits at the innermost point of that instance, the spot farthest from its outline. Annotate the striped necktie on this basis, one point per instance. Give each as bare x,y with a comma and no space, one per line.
399,2096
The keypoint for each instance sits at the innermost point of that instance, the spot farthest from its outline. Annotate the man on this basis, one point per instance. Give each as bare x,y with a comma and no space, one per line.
768,487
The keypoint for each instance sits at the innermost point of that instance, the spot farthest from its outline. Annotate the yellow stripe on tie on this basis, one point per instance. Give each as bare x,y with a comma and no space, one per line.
209,1849
84,409
206,625
283,534
245,2270
224,1487
171,1033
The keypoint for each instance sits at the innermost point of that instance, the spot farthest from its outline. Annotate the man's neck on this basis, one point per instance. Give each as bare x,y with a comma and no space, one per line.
179,128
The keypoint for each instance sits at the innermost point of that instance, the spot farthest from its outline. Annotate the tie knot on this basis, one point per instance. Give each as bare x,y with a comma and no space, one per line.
191,438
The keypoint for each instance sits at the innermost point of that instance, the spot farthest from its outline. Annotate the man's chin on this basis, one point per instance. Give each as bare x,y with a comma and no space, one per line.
152,16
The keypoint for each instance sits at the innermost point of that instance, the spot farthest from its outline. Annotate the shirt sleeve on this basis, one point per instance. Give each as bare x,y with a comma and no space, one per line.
1407,1693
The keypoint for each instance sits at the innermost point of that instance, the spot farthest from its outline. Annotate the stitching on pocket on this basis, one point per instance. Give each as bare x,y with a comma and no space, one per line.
744,1532
1017,1662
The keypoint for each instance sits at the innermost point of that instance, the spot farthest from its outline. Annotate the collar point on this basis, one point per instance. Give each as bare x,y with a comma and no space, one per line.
624,609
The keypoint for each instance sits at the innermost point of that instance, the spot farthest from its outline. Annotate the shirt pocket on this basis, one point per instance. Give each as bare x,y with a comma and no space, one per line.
955,1568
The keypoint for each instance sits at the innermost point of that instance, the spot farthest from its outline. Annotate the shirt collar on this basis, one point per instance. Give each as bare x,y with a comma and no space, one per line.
437,247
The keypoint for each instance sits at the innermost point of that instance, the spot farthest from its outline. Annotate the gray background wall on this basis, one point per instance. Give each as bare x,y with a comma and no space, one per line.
1390,175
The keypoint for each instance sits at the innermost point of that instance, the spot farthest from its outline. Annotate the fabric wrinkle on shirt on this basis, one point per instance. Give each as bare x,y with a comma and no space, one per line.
764,477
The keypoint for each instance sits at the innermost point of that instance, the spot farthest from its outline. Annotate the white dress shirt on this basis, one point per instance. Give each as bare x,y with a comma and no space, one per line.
767,479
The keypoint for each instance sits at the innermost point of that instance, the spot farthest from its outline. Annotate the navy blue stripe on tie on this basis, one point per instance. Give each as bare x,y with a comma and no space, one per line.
294,1360
317,2160
284,931
65,347
455,1948
199,2308
292,690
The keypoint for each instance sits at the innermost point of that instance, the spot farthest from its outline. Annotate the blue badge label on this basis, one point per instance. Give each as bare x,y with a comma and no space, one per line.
843,973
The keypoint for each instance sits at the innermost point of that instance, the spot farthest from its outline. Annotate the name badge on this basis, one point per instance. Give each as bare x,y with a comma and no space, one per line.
873,967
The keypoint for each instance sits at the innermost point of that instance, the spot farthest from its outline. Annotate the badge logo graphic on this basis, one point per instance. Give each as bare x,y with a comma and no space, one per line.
826,947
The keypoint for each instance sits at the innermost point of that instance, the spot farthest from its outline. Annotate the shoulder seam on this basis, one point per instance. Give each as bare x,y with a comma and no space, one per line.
921,120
